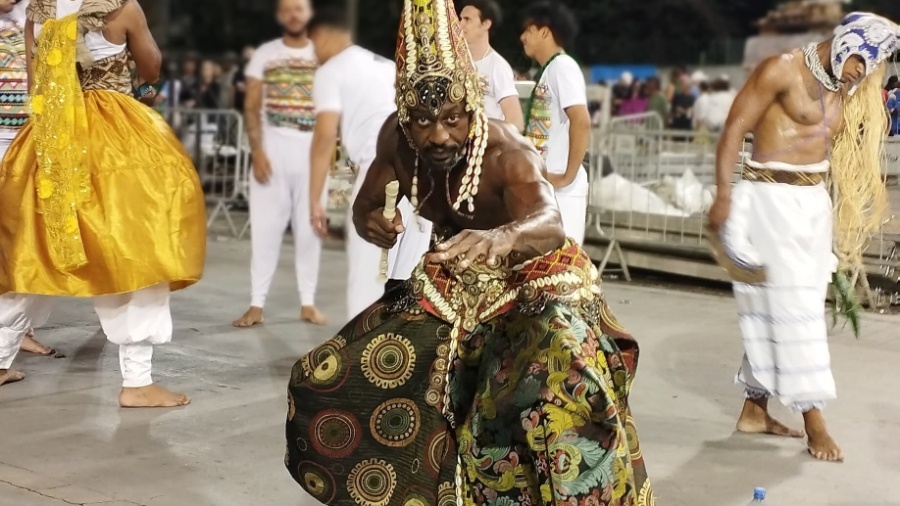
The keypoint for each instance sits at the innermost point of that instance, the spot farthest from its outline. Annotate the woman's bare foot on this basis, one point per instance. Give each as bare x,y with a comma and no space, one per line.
10,376
821,445
32,345
153,396
755,419
252,317
311,314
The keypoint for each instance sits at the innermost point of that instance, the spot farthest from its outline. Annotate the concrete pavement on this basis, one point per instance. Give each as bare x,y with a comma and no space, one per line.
64,441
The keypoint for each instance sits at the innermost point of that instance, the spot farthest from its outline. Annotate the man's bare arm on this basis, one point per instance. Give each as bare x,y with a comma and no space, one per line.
537,224
512,112
141,45
253,113
763,88
324,145
579,142
371,194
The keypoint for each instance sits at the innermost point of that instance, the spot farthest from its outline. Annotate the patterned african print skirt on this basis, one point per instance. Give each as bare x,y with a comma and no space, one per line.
536,411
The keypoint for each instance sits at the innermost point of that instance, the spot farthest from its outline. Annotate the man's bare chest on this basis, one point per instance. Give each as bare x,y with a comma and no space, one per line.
811,107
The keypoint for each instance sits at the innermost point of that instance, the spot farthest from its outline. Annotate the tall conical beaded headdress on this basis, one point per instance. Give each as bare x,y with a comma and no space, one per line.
434,65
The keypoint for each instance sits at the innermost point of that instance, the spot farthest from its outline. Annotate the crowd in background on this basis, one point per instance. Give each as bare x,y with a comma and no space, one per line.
687,102
892,101
192,82
696,102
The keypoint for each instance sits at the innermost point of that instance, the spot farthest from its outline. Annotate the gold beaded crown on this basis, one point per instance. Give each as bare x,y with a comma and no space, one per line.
434,65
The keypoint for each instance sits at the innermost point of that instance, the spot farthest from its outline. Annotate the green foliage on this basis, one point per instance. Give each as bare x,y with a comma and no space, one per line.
845,304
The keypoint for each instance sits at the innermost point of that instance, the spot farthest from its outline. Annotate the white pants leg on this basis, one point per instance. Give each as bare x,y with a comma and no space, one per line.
412,244
271,209
18,314
574,215
4,146
136,321
364,270
307,244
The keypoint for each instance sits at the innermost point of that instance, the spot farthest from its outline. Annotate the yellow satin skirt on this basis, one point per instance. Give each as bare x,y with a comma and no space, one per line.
145,221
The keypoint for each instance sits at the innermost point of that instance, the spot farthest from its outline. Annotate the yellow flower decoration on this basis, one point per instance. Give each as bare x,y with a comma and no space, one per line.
71,224
54,57
45,189
72,30
37,104
63,140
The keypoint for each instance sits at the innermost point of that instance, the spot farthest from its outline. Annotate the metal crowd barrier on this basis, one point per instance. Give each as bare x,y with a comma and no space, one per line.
217,142
651,190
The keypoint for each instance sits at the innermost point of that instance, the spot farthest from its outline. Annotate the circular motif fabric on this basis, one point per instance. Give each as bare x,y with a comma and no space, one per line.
326,367
388,361
634,445
335,434
417,497
372,483
446,495
395,423
436,451
292,408
317,481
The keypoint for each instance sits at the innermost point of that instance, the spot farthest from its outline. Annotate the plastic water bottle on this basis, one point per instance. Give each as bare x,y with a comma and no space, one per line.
759,496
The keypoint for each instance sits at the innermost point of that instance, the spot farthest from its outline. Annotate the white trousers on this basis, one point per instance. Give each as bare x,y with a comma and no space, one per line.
364,286
787,230
284,199
135,321
412,245
574,215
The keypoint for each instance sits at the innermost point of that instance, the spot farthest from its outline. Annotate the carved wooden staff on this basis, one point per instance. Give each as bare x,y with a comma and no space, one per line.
390,211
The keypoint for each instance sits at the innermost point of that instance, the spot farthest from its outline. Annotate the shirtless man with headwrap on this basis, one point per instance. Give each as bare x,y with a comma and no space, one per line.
815,114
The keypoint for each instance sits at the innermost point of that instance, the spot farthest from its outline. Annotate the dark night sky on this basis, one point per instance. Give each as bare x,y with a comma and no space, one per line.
612,31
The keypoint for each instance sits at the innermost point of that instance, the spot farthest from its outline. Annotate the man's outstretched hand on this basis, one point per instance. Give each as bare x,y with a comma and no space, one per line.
490,246
380,231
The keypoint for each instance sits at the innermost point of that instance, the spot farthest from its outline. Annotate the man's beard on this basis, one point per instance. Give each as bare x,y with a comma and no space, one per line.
459,155
295,33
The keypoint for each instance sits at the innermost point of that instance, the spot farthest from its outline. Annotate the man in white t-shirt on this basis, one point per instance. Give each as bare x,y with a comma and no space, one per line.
280,119
558,122
501,99
354,97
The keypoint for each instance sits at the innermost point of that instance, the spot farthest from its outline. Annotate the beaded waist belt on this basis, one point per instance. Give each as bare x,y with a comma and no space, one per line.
782,176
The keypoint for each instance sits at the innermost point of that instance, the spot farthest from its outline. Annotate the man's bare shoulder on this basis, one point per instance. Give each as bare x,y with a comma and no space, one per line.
390,136
515,156
776,71
128,12
503,136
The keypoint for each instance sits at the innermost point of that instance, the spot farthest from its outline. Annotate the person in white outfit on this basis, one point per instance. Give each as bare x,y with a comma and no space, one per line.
354,96
777,230
557,118
114,213
280,119
501,99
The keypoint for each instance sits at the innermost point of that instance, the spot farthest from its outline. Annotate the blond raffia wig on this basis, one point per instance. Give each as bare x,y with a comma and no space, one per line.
860,197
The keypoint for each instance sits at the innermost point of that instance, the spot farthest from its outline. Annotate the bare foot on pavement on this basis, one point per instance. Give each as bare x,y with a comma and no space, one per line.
153,396
10,376
311,314
253,316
